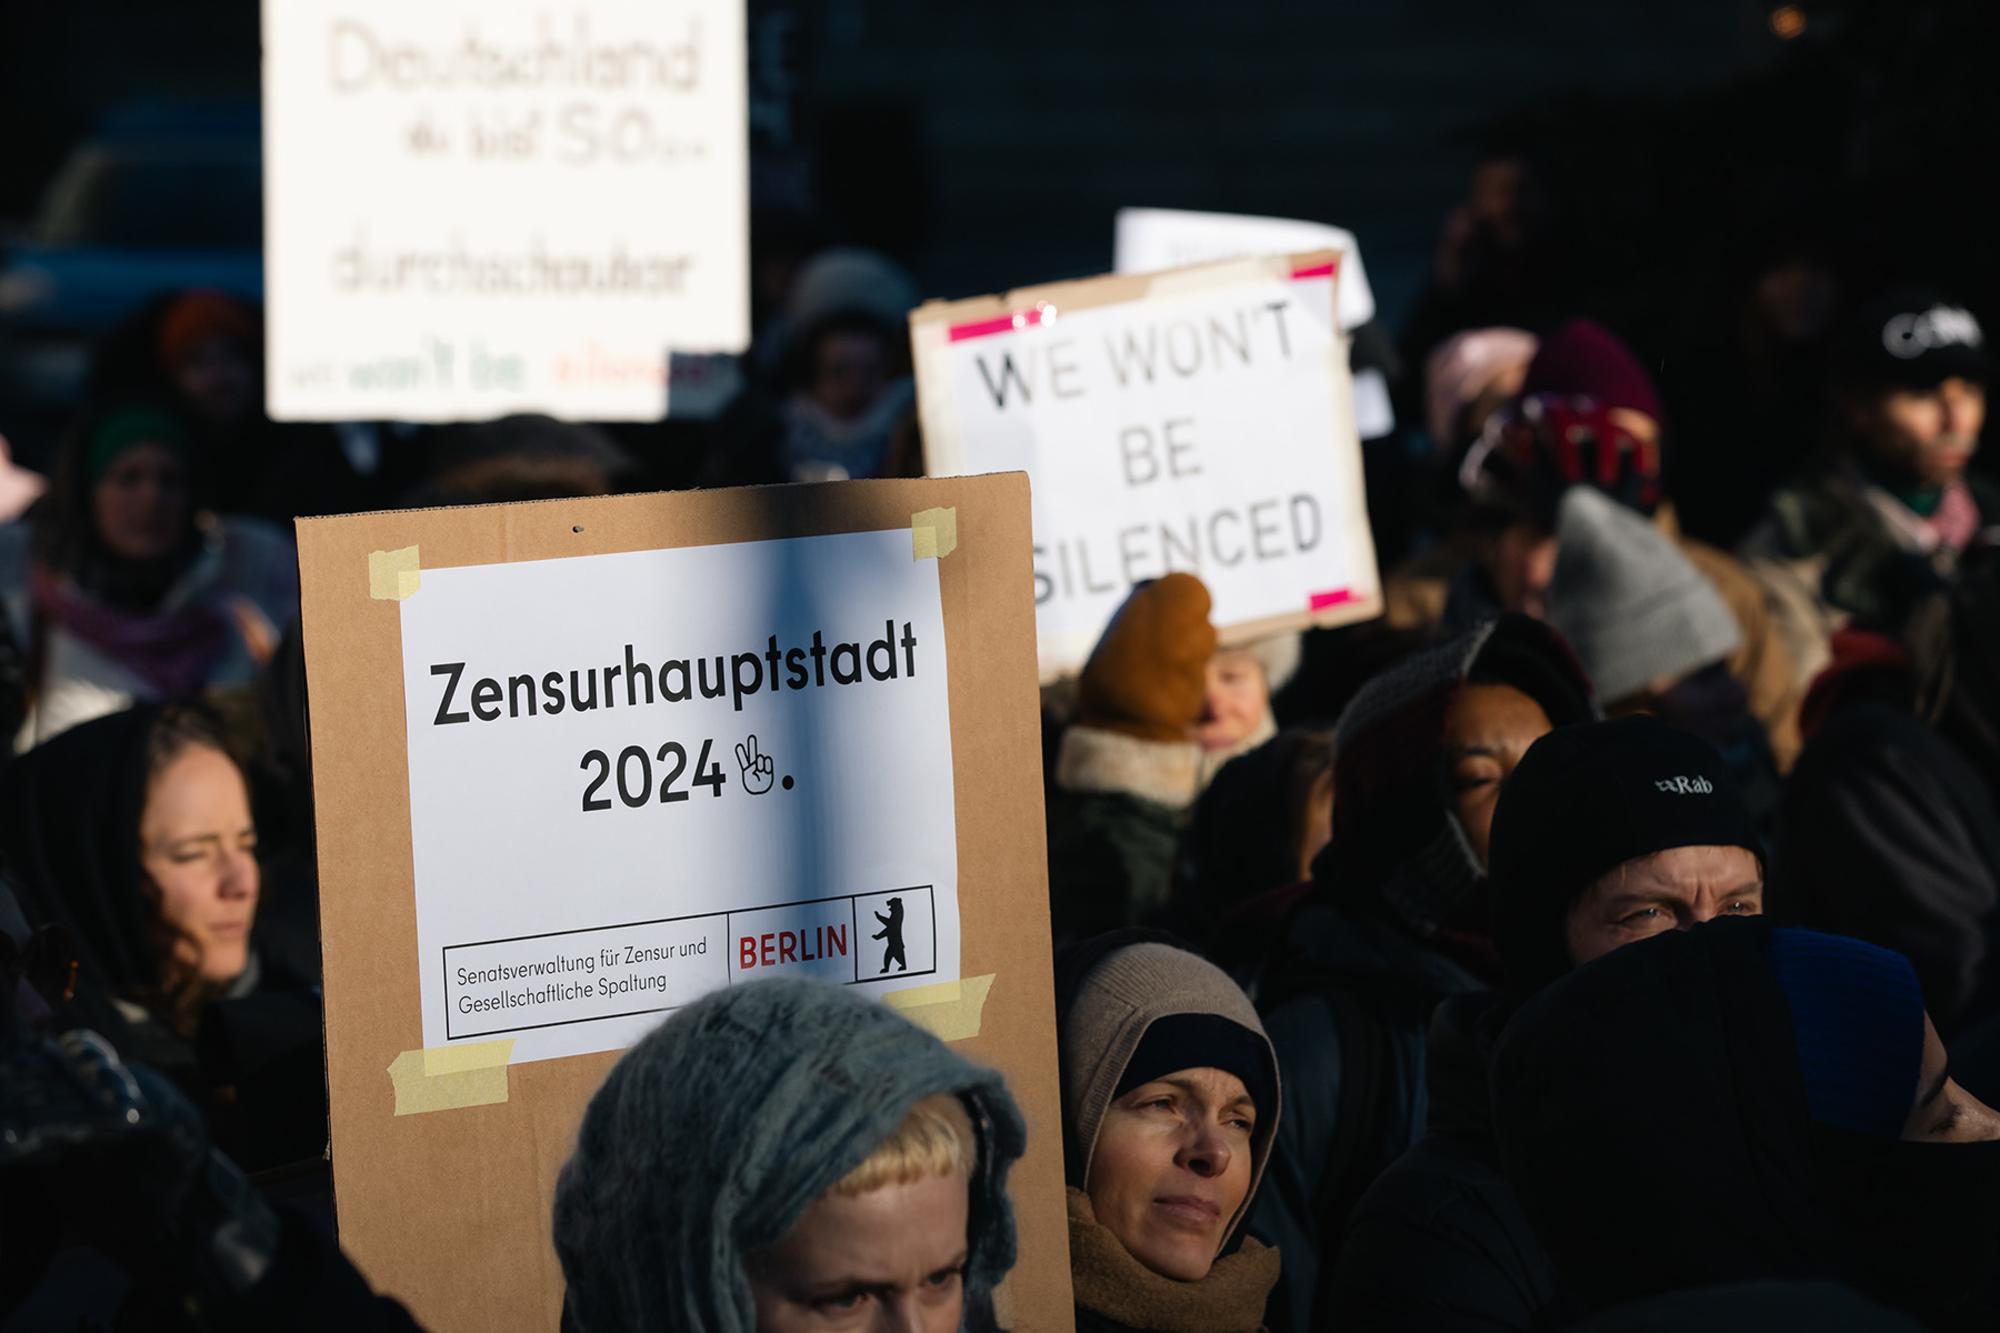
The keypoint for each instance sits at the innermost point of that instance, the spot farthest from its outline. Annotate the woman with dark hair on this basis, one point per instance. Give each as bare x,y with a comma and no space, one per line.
133,834
120,589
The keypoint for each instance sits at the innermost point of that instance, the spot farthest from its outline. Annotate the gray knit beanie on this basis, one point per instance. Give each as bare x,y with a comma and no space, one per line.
713,1135
1630,604
1103,1026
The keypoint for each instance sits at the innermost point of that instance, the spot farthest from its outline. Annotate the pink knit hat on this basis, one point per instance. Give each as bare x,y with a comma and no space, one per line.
1462,368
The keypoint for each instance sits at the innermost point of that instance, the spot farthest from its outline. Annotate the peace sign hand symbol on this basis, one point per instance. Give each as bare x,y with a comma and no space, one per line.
759,772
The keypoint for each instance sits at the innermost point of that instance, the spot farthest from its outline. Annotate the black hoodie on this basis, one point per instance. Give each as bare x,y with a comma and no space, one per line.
1890,836
1395,925
1651,1113
1439,1243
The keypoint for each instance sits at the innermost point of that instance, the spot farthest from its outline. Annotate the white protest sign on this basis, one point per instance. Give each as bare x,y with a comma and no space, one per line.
475,207
635,778
1200,420
1146,240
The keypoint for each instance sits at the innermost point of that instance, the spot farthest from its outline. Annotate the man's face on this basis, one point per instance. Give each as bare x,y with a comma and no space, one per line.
1671,890
1923,436
1486,732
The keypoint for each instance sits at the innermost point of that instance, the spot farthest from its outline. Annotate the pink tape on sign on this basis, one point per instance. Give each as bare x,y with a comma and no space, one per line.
1325,270
1020,319
1319,601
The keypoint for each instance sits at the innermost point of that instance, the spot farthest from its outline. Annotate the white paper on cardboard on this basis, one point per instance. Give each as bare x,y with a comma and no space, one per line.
1146,240
476,207
1207,426
638,777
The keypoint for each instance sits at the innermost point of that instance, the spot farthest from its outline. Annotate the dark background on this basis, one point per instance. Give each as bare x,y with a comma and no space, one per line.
989,145
1677,147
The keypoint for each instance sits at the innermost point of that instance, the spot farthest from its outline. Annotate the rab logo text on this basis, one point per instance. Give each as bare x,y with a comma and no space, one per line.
1685,786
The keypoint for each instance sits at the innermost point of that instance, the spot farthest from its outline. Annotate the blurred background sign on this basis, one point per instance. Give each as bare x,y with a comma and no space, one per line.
480,208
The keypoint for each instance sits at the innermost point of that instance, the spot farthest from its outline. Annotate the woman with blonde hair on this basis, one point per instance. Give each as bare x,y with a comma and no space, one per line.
787,1156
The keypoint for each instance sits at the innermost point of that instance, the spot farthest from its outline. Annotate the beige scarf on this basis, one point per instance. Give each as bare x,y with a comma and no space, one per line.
1112,1283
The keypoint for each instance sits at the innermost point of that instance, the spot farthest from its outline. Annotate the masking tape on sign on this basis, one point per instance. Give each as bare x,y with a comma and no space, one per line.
950,1010
444,1078
393,575
933,533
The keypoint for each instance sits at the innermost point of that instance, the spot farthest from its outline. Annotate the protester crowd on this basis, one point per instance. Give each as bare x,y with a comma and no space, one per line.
1601,938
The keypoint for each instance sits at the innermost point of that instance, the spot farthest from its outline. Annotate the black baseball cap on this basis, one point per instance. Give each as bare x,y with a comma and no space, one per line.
1910,338
1584,800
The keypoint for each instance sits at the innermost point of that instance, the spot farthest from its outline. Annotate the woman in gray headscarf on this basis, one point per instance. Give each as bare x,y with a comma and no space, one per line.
788,1155
1170,1104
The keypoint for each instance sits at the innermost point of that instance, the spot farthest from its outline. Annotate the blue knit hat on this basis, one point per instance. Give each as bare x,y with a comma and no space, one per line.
1858,1025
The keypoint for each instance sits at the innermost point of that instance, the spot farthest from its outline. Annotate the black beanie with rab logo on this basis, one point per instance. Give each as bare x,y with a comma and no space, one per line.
1584,800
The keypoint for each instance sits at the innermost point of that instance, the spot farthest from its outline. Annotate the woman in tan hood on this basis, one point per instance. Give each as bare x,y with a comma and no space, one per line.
1170,1102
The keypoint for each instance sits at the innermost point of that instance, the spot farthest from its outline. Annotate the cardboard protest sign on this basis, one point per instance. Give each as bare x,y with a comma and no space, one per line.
1148,240
577,763
1198,420
475,207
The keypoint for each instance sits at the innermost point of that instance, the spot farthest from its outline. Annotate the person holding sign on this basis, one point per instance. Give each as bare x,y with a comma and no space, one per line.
1170,1107
789,1155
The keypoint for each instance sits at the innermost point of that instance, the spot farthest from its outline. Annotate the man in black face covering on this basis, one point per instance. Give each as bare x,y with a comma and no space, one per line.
1736,1103
1606,833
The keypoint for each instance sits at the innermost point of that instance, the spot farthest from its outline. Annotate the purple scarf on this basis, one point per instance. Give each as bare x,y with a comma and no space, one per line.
172,651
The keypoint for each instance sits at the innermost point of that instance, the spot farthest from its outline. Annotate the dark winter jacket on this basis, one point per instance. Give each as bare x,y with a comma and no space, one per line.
1242,844
1754,1307
1439,1243
1354,1093
1835,548
1657,1113
1115,820
1890,836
